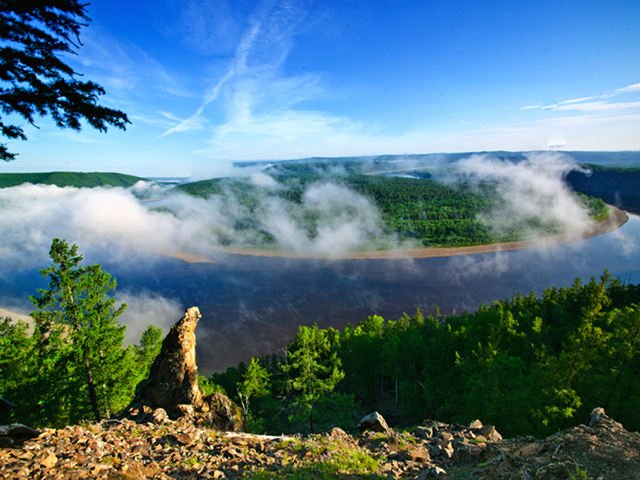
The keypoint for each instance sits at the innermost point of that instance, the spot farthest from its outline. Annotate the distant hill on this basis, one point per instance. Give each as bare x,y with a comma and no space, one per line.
609,159
615,185
69,179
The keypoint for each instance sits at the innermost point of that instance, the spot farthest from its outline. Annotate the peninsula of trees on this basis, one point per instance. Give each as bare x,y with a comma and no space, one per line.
417,211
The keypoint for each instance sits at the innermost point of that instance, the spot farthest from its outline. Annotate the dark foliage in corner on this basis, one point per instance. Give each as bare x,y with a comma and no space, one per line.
35,80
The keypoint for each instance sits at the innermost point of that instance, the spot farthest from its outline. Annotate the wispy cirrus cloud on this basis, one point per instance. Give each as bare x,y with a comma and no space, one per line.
595,103
125,69
255,109
634,87
253,96
582,106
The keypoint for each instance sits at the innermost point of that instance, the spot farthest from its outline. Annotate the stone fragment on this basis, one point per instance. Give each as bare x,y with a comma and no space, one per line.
185,410
476,425
47,459
490,433
159,416
448,450
336,433
376,422
445,439
528,450
480,439
434,472
423,432
187,438
419,454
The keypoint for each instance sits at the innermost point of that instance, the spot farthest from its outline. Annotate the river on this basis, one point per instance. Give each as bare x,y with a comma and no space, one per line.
253,305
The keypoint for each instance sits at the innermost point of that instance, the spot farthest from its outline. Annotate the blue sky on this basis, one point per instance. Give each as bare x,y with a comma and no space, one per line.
210,81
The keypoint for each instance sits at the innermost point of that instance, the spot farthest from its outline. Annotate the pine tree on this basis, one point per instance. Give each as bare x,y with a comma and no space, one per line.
255,383
78,337
16,362
34,80
313,366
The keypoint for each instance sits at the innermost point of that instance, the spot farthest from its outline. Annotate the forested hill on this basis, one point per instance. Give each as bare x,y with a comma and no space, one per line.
420,211
69,179
616,186
531,365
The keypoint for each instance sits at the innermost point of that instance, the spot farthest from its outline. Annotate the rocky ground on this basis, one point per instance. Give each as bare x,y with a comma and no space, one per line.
166,449
172,430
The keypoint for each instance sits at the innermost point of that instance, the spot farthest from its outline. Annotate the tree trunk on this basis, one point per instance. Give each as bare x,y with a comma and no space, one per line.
93,397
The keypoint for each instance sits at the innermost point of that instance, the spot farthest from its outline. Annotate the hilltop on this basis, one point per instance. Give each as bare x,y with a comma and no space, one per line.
173,430
69,179
167,449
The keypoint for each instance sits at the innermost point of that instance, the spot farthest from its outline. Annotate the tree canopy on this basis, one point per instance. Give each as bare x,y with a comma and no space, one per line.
529,365
34,78
73,366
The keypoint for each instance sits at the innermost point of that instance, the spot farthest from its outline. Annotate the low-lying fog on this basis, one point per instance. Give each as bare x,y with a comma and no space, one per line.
122,226
123,223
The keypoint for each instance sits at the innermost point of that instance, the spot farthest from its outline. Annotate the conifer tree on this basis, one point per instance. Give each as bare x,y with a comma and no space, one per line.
34,79
78,337
313,366
255,383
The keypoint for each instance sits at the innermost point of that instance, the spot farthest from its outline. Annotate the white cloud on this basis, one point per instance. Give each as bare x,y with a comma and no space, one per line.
634,87
592,103
145,309
532,190
582,106
124,225
577,100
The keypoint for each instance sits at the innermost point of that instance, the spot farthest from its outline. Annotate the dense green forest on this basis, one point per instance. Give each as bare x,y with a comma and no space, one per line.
70,364
420,211
69,179
530,365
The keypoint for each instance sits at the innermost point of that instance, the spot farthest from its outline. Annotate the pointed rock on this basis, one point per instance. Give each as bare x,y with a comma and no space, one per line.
172,384
173,379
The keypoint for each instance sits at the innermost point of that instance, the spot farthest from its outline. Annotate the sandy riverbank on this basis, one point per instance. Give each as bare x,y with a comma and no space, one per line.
615,221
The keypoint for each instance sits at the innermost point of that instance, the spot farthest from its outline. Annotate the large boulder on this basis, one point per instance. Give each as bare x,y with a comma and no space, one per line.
16,433
172,385
376,422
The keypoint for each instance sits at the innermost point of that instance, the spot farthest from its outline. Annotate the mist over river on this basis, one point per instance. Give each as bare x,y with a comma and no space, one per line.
253,305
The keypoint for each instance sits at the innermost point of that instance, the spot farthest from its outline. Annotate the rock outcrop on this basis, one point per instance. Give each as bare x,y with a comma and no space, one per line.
16,433
172,392
602,450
